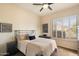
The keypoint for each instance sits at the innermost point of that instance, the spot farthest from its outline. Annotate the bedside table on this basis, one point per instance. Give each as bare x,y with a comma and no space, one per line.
12,48
78,47
45,37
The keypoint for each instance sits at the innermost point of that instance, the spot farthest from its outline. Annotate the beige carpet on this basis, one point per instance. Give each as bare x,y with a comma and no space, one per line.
65,52
60,52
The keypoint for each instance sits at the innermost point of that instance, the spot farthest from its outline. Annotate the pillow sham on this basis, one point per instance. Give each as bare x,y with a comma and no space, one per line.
23,37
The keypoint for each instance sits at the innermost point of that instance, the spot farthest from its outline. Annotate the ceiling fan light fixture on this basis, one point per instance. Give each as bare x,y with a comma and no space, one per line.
45,6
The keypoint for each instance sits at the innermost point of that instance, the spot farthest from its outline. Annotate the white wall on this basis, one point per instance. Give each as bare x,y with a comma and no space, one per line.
20,18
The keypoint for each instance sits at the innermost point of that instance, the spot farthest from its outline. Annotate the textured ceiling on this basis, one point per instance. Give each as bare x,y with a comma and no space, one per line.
56,7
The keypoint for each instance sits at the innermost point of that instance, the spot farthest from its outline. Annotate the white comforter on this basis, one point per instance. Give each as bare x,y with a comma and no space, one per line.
22,44
40,46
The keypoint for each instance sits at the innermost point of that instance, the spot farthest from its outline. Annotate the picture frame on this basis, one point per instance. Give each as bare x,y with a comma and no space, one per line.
45,28
5,27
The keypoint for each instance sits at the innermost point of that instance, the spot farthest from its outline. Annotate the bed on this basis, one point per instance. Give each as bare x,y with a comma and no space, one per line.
36,47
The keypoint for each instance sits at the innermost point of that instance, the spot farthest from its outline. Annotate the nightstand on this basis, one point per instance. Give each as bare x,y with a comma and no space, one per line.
12,48
45,37
78,47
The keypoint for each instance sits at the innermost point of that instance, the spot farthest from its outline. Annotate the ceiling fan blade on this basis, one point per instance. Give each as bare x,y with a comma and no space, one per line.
49,7
41,9
37,4
50,3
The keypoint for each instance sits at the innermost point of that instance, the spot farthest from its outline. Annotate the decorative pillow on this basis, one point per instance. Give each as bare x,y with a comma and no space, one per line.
31,37
22,37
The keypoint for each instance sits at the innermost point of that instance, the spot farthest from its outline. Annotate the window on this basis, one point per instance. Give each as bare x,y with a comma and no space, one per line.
73,27
59,28
65,27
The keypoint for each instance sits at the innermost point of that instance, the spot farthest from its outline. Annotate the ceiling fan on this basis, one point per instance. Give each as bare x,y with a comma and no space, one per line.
44,5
